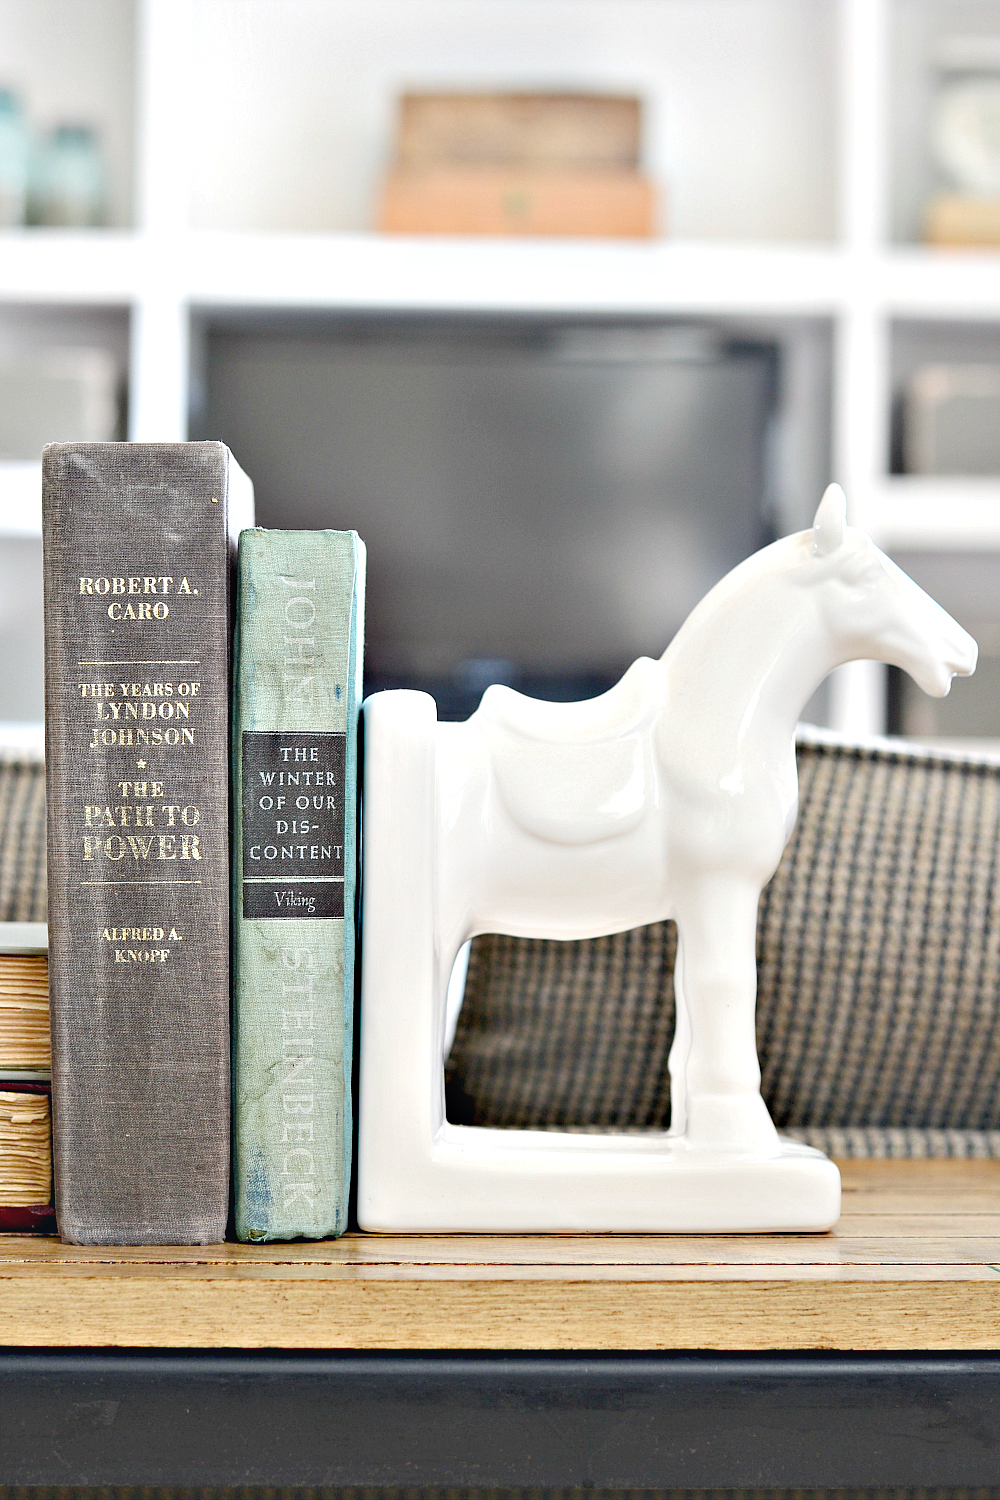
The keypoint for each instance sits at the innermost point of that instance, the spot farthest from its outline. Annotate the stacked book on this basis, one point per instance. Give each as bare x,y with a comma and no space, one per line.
25,1062
189,690
524,164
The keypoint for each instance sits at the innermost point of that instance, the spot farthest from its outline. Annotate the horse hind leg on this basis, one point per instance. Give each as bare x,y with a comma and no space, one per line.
718,981
679,1050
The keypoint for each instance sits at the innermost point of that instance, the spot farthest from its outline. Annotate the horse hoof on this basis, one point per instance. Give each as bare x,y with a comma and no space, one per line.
738,1121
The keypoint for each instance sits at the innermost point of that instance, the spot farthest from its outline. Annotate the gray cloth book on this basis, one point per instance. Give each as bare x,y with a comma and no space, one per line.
297,691
139,543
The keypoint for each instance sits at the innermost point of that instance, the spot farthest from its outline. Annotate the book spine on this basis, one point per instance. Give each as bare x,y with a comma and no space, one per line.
137,590
297,689
31,1219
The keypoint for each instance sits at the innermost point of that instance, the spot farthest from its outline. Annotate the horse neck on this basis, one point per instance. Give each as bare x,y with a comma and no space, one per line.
754,651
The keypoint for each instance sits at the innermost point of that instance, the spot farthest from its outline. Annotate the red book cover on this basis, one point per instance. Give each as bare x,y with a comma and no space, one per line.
35,1218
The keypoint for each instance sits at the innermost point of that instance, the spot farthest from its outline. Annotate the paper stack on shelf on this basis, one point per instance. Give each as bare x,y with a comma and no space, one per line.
24,1010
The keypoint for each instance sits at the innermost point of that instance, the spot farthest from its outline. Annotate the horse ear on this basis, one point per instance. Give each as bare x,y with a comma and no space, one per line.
831,518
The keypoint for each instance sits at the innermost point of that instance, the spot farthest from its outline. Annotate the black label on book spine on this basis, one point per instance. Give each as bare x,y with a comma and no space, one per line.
293,899
293,824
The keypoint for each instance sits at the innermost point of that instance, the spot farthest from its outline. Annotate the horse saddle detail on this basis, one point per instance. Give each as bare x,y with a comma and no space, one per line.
573,773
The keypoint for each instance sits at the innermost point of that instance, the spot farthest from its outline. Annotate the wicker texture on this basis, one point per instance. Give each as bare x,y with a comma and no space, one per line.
878,1013
22,838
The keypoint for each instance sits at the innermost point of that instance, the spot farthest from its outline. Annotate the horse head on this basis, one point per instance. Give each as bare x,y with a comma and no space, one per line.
873,609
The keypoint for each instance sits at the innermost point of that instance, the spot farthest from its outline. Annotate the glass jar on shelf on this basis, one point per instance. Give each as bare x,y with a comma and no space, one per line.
15,147
68,186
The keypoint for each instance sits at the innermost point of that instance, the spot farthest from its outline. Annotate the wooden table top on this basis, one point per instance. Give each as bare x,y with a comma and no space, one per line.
913,1264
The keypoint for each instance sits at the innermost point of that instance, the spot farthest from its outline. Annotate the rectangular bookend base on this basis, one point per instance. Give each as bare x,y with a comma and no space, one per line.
500,1181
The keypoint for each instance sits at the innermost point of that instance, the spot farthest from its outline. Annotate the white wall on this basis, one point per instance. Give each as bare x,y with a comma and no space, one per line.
295,100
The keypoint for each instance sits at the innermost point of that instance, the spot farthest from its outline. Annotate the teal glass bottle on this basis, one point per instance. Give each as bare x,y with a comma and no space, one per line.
68,186
15,146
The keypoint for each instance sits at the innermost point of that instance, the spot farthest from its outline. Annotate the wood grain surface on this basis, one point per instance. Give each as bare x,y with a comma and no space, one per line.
913,1264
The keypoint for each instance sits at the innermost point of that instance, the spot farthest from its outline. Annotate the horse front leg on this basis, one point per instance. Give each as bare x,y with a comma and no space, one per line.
717,959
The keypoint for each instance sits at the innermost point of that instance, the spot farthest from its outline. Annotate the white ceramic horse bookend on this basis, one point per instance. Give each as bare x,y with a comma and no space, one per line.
672,795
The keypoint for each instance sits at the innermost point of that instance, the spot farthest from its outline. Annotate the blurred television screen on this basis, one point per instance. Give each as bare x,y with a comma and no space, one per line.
542,503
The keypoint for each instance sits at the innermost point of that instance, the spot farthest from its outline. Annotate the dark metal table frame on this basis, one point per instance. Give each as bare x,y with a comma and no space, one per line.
596,1421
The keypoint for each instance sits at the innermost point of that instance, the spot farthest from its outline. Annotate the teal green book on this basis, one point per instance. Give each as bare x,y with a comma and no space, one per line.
297,691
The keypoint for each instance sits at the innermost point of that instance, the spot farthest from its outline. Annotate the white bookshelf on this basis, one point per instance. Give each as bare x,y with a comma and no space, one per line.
916,512
20,499
220,224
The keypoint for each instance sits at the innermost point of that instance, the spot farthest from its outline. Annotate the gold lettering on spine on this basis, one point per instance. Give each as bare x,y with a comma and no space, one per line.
136,596
184,846
147,704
